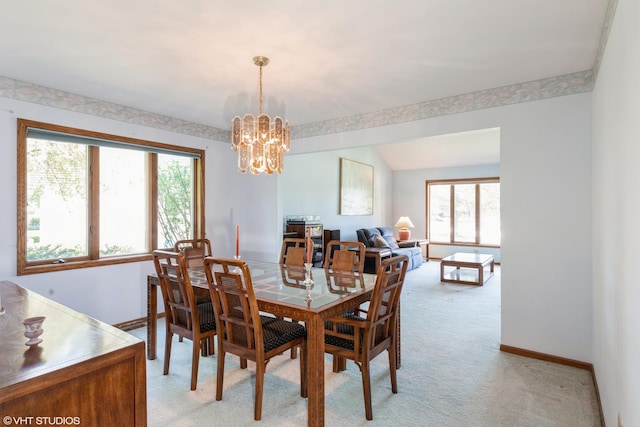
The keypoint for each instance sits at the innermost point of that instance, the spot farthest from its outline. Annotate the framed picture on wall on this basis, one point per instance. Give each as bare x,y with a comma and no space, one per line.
356,188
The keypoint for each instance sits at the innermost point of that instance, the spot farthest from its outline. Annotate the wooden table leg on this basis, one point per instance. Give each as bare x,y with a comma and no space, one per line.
315,372
376,264
152,319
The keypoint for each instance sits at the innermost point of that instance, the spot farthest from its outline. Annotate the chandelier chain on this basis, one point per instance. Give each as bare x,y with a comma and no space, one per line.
260,85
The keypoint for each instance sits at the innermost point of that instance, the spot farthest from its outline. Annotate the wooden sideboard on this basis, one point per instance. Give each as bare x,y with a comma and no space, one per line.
84,372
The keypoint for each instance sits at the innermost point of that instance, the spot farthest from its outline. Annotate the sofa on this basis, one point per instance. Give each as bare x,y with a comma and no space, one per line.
380,243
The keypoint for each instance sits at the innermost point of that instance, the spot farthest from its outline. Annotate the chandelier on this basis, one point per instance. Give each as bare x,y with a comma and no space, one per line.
260,143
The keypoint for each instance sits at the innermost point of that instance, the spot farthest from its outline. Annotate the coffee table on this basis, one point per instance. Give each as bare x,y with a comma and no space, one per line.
462,264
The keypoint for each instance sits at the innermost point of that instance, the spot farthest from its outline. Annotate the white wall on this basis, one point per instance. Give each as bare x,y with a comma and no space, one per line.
546,220
310,185
545,171
616,225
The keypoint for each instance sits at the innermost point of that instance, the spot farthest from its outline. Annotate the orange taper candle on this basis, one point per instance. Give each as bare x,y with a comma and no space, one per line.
237,241
309,246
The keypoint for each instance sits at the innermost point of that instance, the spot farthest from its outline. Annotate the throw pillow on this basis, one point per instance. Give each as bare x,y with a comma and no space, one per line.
379,241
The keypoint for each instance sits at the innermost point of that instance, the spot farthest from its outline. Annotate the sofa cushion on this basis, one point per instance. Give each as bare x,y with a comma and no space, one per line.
392,242
414,254
368,234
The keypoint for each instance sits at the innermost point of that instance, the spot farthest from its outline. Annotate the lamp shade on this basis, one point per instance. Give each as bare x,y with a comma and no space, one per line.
404,223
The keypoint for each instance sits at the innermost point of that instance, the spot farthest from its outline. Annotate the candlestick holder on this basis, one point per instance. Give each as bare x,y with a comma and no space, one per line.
308,281
237,270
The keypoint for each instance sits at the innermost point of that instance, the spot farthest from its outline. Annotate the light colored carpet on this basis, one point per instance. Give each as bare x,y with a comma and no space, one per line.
452,374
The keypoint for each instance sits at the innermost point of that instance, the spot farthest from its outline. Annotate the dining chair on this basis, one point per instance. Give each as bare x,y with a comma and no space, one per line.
293,276
342,282
292,251
184,316
361,339
344,256
194,250
243,330
292,255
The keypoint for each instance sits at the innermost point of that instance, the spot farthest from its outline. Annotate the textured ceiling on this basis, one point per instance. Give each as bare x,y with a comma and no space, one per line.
192,60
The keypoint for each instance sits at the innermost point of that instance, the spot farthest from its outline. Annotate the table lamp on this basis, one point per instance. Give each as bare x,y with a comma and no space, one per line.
404,223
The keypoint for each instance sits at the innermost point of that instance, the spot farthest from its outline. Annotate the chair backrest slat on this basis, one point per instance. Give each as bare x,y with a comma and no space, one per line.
234,303
345,256
194,250
292,251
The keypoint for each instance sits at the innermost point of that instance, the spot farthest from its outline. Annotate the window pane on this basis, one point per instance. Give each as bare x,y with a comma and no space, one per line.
56,200
464,224
123,202
69,178
439,216
490,213
175,199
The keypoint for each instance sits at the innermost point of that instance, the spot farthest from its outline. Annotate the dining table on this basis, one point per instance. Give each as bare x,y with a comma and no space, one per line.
281,291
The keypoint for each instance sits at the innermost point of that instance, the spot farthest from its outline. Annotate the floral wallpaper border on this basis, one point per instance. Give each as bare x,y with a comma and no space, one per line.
506,95
523,92
28,92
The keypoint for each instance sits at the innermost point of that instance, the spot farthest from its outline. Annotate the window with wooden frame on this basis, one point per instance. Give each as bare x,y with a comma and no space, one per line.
464,211
87,198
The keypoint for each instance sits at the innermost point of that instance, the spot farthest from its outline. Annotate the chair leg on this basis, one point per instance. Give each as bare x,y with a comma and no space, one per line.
207,347
220,374
260,368
366,386
195,359
167,352
294,350
392,369
243,363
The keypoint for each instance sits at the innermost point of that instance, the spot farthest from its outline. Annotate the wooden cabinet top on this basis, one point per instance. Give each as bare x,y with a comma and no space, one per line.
69,337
